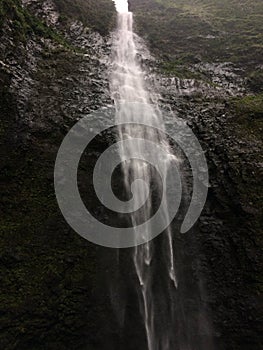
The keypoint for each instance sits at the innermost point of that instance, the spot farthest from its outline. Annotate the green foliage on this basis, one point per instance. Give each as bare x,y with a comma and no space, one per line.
43,264
209,30
249,106
255,80
24,24
96,14
246,125
179,69
12,11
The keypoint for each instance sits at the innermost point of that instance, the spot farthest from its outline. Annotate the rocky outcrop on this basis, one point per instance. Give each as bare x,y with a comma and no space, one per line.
52,74
216,100
55,292
217,103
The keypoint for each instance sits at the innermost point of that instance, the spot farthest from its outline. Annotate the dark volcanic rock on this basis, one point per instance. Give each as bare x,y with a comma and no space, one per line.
55,285
52,294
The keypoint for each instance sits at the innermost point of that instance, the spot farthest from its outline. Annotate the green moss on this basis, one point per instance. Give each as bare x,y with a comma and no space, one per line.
96,14
44,265
247,125
209,30
255,80
249,107
179,69
24,24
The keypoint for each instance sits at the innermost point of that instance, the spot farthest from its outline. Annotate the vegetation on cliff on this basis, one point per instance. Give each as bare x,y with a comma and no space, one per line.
48,297
22,22
48,273
98,15
184,36
207,30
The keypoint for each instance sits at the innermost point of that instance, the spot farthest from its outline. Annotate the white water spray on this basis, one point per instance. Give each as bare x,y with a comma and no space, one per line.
134,104
122,6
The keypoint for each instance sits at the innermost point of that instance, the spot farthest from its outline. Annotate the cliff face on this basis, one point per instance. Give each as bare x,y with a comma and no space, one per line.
54,70
208,70
207,30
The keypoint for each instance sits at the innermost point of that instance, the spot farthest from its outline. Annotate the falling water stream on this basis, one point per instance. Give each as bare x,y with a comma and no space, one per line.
135,104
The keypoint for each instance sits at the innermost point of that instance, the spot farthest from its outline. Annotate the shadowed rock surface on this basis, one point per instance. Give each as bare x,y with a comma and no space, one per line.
54,61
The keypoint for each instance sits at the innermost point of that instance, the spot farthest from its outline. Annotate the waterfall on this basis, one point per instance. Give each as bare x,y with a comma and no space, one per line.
134,103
